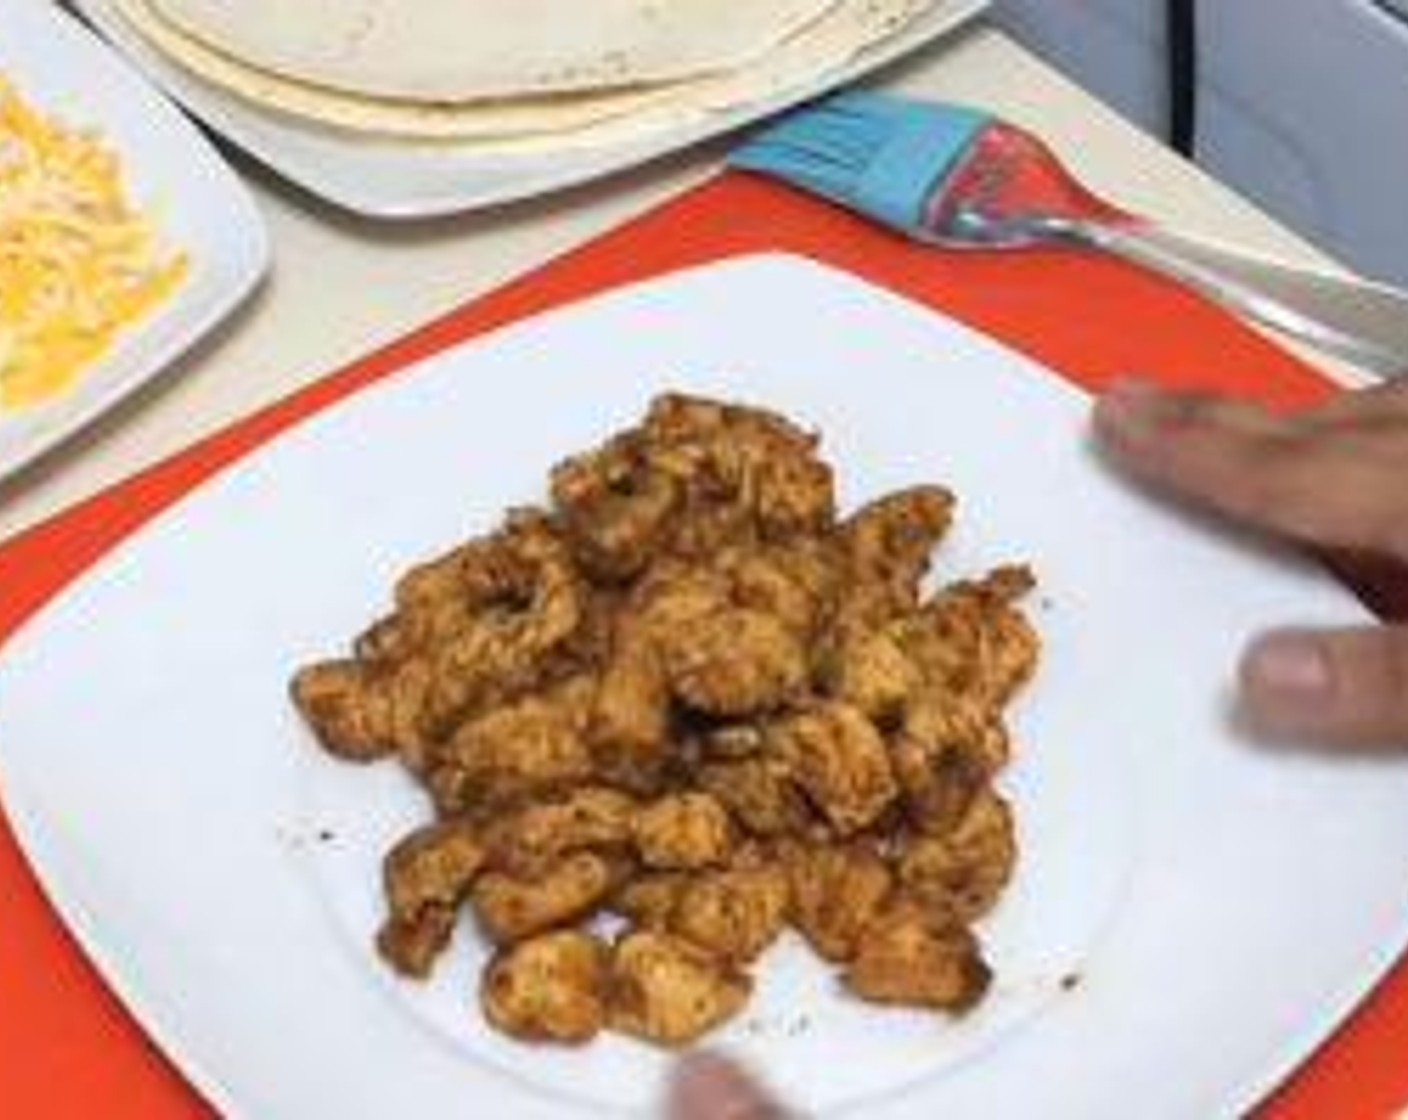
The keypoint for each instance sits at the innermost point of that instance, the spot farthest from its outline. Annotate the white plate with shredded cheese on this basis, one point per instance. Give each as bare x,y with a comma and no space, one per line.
124,238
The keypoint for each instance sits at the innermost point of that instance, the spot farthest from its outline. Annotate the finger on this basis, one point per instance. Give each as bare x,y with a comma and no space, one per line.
1346,687
1380,404
1270,472
1134,399
707,1087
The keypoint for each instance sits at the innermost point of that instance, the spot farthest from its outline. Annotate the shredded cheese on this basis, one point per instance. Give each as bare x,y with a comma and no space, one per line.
78,264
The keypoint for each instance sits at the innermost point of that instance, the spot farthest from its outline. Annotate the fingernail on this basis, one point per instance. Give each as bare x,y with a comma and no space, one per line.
707,1087
1288,665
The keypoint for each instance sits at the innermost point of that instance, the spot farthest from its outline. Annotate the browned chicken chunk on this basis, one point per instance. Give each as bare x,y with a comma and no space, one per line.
630,723
550,988
684,831
735,914
888,544
348,705
525,749
425,878
667,991
838,757
528,842
870,670
937,782
759,794
510,909
648,900
835,892
966,868
735,662
906,957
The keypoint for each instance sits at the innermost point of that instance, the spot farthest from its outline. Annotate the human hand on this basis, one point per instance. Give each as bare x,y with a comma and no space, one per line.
707,1087
1335,477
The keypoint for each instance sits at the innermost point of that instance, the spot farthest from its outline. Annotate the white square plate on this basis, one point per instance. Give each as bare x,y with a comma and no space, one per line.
172,171
1222,905
388,178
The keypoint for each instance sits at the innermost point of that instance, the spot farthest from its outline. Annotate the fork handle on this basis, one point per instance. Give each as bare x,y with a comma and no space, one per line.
1360,321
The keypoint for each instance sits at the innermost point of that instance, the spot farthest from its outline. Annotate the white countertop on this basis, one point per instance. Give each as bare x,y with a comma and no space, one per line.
342,286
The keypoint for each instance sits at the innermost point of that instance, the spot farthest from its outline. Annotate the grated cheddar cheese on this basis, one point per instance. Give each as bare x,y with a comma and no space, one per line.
78,264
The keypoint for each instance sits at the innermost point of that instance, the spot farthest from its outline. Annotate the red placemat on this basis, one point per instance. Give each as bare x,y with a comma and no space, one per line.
67,1047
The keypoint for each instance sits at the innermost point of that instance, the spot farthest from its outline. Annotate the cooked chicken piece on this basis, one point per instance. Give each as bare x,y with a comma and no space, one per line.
683,831
966,869
937,782
629,729
795,495
585,652
618,509
711,523
550,988
795,584
433,599
735,914
648,900
869,670
971,640
413,947
366,710
348,704
425,878
672,596
529,842
491,662
1007,584
835,892
387,640
526,602
532,747
758,793
408,686
944,722
667,991
888,544
838,757
735,662
907,957
510,910
752,459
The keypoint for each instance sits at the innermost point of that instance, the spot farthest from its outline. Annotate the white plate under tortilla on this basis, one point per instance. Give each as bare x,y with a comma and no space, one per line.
387,178
1191,914
64,70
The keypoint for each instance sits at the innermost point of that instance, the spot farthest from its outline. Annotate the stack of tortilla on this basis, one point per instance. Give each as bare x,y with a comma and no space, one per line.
506,72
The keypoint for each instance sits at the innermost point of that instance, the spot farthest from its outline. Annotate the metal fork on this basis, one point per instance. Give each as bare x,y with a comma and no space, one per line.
1373,319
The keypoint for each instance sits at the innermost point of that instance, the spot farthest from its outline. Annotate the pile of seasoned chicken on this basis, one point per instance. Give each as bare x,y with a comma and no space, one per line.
677,711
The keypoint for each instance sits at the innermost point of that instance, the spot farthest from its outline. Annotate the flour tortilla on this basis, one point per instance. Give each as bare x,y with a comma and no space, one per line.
429,120
473,50
526,123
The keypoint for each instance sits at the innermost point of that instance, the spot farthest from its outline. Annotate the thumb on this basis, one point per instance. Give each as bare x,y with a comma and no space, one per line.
1343,687
707,1087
